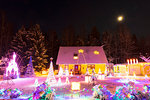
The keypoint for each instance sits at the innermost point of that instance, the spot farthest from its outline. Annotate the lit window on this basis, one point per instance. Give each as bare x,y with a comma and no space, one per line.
91,66
96,52
80,50
75,56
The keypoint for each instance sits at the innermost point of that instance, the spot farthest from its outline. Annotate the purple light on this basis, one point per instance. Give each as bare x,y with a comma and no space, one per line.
12,67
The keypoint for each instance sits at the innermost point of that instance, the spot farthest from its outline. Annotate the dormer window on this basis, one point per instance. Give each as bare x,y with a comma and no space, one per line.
80,50
96,52
75,56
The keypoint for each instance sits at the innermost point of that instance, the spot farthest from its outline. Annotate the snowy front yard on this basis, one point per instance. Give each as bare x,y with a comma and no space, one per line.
63,90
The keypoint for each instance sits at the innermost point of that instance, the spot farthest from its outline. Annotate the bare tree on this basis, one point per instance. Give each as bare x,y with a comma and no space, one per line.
107,45
68,36
6,31
94,37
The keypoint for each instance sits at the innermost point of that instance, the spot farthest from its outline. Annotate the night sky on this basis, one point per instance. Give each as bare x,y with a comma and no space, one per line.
59,14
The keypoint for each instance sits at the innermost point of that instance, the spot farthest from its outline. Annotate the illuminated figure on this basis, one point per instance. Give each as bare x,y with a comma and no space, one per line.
12,69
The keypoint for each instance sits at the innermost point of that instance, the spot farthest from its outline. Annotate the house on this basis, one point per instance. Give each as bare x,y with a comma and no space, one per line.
78,59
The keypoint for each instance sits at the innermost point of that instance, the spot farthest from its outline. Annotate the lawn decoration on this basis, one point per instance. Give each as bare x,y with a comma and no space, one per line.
43,92
10,93
145,59
36,83
100,75
59,82
101,92
75,86
87,72
71,74
51,77
88,78
66,73
145,95
12,69
125,92
30,70
99,72
67,80
60,73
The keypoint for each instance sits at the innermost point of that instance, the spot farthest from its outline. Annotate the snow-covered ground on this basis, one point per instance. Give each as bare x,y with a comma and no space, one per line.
63,90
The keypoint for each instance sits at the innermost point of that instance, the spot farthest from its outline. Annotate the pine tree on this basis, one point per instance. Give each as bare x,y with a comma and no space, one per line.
68,36
80,39
30,70
39,50
6,31
51,77
21,45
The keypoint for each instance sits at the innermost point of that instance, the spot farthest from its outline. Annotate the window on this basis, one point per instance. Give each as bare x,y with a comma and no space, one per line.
75,56
80,50
96,52
91,66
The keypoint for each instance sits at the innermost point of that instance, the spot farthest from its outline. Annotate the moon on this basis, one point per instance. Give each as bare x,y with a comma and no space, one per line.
120,18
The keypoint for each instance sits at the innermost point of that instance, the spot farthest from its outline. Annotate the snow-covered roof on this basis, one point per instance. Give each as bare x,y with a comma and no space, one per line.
66,54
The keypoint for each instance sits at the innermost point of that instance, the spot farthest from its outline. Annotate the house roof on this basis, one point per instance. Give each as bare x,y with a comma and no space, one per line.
66,54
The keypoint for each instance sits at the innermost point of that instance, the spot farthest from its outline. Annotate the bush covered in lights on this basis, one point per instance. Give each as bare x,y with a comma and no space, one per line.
43,92
125,92
101,92
10,93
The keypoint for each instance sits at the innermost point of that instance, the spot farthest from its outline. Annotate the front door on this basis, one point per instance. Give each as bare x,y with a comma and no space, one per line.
77,69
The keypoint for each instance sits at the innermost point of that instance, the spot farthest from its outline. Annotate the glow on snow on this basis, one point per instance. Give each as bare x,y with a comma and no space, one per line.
126,80
12,67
